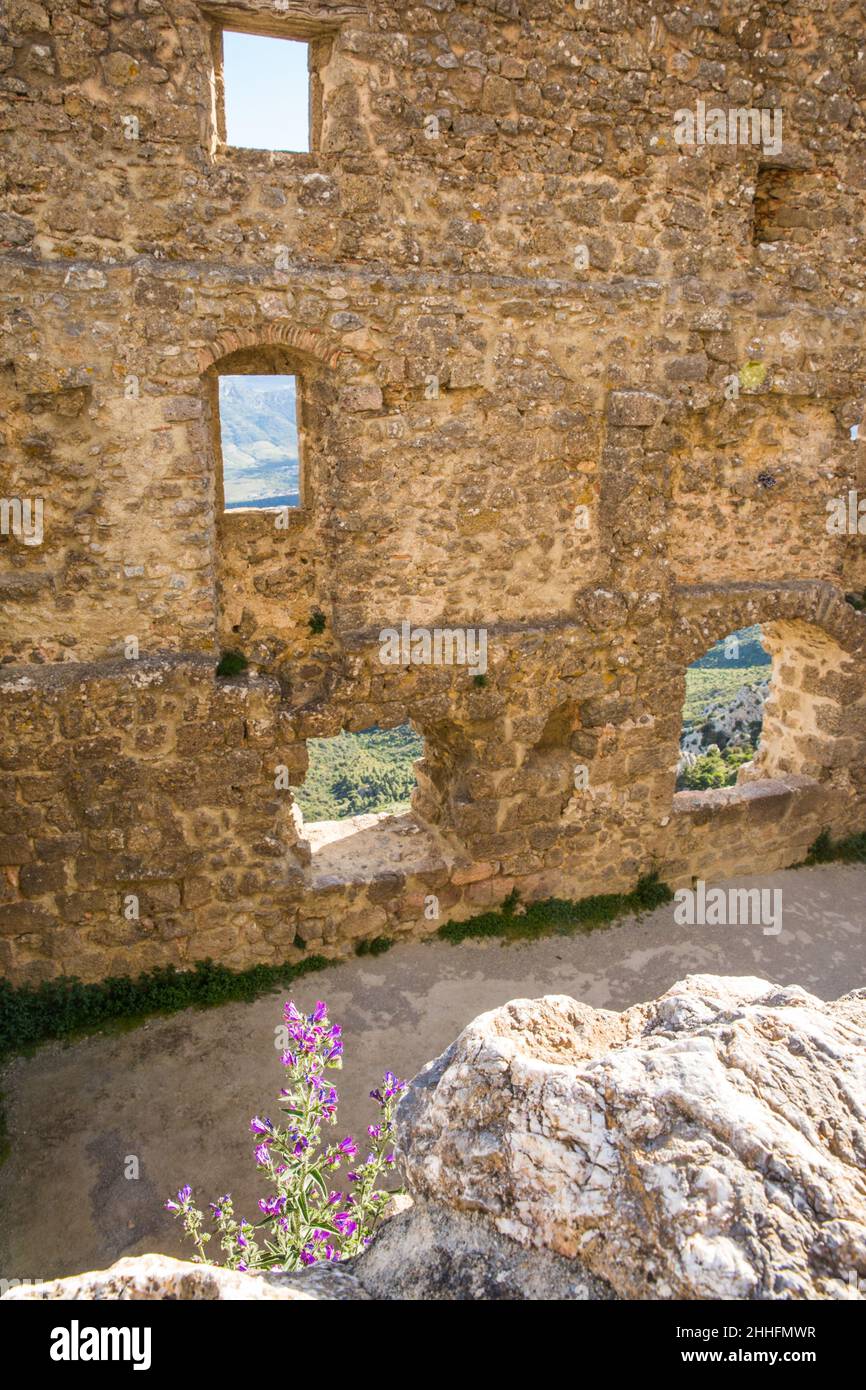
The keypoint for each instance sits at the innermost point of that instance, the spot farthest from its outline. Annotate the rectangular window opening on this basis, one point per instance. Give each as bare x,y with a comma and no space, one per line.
359,774
358,822
259,441
266,85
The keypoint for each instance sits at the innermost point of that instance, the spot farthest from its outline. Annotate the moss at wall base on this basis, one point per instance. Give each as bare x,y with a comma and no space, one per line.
65,1007
558,916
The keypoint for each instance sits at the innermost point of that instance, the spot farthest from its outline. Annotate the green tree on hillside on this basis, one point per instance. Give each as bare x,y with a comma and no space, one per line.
357,773
715,769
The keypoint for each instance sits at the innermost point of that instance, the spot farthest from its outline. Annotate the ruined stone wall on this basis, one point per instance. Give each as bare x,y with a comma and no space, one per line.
561,378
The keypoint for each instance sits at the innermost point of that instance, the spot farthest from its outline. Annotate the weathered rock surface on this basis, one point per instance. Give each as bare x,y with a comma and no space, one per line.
711,1144
425,1252
436,1252
149,1277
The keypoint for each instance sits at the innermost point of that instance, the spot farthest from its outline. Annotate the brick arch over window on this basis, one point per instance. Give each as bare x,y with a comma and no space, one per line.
815,714
708,612
308,342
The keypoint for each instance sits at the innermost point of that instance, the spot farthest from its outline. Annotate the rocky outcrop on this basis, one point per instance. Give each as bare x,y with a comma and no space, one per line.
711,1144
424,1251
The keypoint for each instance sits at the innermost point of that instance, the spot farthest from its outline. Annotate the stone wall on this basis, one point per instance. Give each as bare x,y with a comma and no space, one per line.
515,328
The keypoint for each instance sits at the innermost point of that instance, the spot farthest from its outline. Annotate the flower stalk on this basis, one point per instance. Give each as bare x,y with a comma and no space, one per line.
303,1219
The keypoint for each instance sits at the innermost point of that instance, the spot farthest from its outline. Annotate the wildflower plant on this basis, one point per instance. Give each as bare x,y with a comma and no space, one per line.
304,1218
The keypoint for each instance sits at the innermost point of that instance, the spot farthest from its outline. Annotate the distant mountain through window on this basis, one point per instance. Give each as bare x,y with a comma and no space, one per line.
259,436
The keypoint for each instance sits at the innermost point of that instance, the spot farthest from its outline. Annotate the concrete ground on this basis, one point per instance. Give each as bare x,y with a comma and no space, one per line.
177,1093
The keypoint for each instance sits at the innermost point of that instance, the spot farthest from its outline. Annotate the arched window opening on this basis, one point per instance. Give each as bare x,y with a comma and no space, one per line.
723,714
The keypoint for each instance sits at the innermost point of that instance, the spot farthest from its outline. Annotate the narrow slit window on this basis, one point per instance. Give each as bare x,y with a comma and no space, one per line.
266,85
259,441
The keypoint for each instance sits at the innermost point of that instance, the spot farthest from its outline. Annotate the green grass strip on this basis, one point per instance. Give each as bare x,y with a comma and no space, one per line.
558,916
65,1007
826,850
68,1008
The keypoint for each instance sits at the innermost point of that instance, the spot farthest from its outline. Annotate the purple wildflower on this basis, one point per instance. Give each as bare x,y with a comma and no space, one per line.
271,1206
313,1044
390,1087
344,1223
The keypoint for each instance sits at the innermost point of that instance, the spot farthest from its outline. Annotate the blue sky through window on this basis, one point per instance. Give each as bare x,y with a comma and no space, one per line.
266,92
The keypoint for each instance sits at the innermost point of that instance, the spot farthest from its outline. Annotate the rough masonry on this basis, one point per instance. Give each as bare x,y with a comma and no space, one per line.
562,378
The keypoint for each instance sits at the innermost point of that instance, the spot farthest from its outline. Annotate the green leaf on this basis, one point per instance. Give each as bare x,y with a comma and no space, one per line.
317,1178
